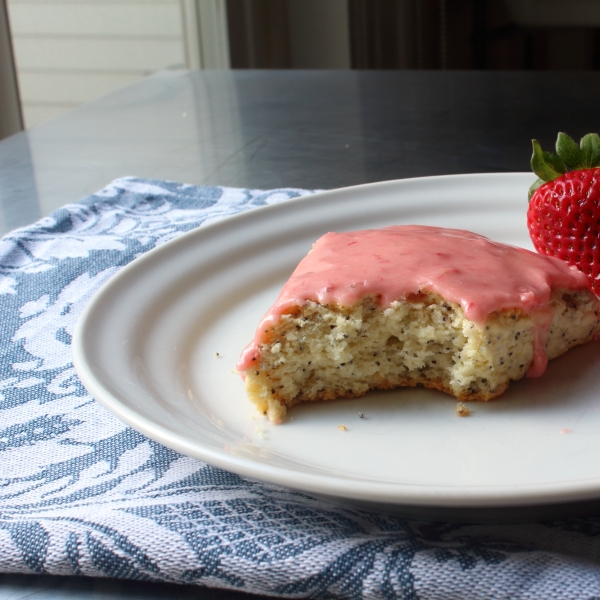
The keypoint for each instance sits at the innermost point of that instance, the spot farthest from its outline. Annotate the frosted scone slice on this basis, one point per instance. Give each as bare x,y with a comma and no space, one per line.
412,305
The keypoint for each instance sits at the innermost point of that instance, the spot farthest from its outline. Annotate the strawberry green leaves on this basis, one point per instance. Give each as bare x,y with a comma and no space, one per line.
569,157
535,186
568,151
590,148
545,165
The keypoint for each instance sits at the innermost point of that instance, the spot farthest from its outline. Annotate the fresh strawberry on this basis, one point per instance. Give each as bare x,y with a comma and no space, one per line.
564,203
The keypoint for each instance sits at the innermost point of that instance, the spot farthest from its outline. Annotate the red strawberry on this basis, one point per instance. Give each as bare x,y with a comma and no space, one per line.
564,207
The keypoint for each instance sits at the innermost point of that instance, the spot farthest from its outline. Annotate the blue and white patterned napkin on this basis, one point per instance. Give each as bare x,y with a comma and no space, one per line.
83,494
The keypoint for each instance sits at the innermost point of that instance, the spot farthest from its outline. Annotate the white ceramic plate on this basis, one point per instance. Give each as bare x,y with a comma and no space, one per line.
145,347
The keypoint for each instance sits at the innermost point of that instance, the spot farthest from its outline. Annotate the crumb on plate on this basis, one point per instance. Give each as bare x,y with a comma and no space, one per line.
462,410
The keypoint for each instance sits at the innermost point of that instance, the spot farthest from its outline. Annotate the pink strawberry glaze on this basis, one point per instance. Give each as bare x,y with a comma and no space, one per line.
463,267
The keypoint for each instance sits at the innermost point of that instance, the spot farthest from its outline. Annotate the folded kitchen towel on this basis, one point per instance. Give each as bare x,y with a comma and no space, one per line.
83,494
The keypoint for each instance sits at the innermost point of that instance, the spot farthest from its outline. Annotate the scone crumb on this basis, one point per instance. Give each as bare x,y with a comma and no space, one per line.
217,355
342,428
461,410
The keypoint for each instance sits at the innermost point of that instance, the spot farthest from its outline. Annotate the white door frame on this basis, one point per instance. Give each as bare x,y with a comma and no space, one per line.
11,119
206,34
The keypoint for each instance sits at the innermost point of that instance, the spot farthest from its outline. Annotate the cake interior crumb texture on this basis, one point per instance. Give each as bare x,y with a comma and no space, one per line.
318,352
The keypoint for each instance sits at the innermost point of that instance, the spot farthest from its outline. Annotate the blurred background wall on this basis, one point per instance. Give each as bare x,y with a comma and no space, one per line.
68,52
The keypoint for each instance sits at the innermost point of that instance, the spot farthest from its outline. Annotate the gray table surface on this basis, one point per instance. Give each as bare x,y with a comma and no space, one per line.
313,129
268,129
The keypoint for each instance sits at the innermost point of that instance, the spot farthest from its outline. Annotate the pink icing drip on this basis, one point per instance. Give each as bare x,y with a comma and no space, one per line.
481,275
542,321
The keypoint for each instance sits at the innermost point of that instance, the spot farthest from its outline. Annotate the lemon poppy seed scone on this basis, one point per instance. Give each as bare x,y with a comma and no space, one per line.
413,305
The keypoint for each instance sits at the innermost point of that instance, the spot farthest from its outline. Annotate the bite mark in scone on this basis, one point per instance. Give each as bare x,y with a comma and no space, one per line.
413,305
